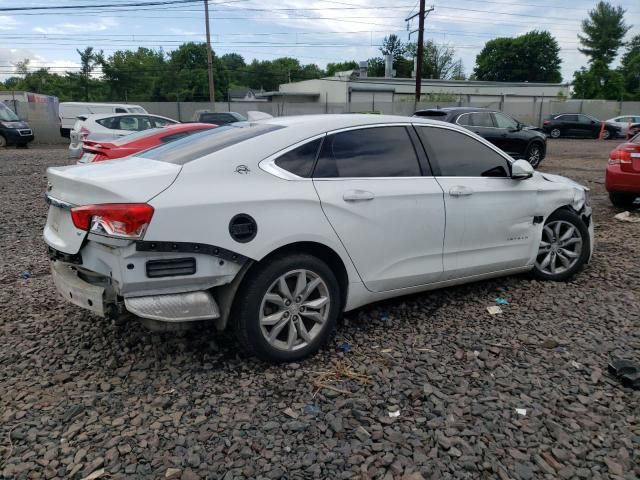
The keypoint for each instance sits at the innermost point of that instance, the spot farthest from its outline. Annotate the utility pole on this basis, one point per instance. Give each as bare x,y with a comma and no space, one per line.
212,95
420,53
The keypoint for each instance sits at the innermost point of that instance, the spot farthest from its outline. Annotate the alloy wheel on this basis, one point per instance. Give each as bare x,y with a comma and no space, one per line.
555,133
294,310
560,247
534,155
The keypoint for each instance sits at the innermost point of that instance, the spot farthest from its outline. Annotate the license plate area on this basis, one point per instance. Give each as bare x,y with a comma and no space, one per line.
76,290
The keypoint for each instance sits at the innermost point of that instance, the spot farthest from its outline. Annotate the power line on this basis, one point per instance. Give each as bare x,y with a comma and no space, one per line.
104,5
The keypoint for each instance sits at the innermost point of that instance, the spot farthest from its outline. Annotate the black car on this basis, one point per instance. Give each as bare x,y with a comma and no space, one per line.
13,131
578,125
506,133
218,118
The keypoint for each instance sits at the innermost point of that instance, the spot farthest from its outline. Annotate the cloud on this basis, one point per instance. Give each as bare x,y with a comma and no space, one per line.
10,56
180,31
67,28
8,23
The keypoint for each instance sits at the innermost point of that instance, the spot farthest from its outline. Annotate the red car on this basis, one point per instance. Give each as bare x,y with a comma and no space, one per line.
97,151
622,179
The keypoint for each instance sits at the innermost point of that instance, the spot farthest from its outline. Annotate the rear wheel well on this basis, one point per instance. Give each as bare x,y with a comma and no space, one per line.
324,253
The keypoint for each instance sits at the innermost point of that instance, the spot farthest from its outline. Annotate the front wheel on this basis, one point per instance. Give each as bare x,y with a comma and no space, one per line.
534,154
287,308
564,247
622,199
3,141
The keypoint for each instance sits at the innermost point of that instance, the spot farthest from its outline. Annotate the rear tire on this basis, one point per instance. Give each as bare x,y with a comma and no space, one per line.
555,133
606,134
622,199
3,141
287,308
565,247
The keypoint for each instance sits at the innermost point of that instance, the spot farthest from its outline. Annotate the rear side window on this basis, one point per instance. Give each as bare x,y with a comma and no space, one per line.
161,122
368,152
459,155
567,118
433,114
204,143
110,122
300,160
121,110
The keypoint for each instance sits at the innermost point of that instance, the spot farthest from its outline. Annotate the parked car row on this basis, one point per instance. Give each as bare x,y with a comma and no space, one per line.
275,227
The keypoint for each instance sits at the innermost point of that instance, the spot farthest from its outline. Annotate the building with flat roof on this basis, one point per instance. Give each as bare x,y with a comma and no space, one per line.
370,90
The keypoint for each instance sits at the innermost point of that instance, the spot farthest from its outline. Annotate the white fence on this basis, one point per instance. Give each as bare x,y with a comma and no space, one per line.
531,110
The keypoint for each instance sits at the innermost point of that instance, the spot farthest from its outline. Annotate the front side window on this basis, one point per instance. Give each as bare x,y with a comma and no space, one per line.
459,155
585,119
368,152
7,115
502,121
300,160
161,122
482,119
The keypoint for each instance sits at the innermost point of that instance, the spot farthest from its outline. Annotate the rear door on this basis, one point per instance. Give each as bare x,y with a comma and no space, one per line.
480,123
489,216
587,126
388,215
510,138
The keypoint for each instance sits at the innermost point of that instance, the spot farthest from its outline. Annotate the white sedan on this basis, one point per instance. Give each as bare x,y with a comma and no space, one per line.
110,126
624,122
276,227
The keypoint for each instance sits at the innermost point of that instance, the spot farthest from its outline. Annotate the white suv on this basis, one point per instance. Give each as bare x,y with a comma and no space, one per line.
276,227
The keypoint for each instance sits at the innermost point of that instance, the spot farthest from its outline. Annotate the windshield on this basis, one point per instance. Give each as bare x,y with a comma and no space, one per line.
7,115
203,143
136,136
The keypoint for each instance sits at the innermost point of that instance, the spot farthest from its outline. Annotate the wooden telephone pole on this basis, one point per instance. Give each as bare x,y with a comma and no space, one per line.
422,13
212,95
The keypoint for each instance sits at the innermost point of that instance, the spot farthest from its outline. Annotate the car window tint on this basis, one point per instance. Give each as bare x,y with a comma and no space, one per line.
110,122
368,152
121,110
464,119
584,119
568,118
206,142
144,123
503,121
300,160
161,122
459,155
482,119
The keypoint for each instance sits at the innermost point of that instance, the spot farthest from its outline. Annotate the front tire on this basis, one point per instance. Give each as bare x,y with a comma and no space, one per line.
534,154
3,141
622,199
287,308
564,248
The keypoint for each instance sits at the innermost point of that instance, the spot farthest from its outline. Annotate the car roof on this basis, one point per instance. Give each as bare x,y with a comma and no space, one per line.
457,109
317,124
189,126
96,104
99,116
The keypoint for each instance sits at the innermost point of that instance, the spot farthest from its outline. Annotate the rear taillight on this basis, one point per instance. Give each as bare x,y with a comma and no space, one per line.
84,132
624,154
117,220
546,122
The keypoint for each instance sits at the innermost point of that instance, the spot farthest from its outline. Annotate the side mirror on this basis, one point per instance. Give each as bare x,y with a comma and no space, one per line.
521,170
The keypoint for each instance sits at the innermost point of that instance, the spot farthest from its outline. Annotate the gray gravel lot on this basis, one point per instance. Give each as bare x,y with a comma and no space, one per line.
79,394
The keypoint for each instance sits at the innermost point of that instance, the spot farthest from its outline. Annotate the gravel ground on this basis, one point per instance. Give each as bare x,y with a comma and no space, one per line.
79,394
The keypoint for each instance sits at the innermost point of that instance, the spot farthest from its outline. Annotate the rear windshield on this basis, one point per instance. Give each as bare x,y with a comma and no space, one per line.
203,143
137,135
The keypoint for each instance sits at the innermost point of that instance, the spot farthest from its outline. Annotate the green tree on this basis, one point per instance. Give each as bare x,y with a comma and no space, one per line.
332,68
603,33
630,69
532,57
375,67
88,61
392,45
236,69
598,81
135,74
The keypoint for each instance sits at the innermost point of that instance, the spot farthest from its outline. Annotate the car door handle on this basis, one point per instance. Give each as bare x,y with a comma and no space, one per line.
460,191
357,196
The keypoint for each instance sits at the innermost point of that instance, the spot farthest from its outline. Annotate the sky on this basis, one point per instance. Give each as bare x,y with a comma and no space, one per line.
314,31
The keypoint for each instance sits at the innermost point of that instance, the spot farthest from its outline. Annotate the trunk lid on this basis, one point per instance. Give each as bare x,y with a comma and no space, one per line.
130,180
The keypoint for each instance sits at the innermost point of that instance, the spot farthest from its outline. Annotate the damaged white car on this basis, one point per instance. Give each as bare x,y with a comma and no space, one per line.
276,227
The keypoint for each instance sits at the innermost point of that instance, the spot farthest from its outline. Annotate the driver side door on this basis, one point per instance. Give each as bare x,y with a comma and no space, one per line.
490,217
